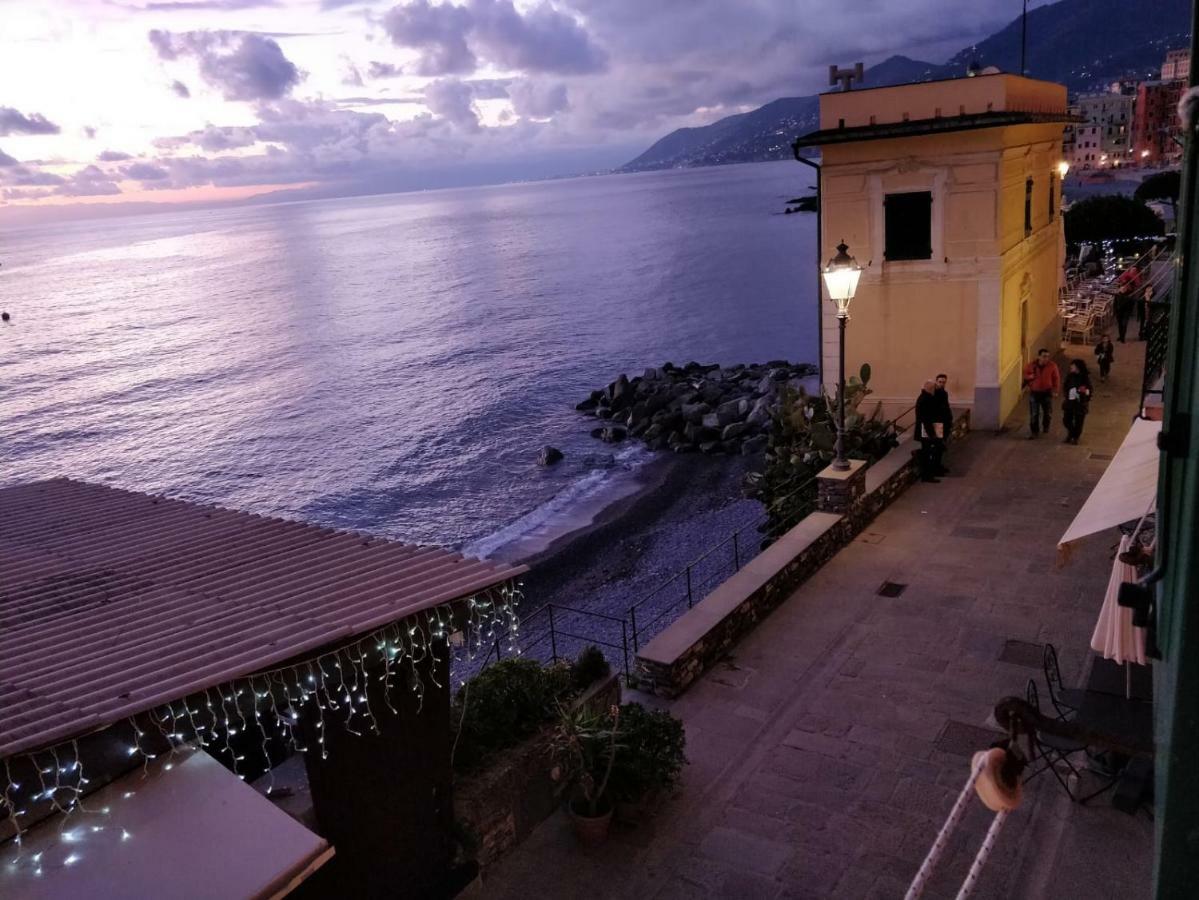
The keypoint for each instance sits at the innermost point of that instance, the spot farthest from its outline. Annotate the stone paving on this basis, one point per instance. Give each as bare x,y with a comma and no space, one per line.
827,751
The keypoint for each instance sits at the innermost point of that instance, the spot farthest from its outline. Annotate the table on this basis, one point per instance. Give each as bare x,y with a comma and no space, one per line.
1128,721
1110,677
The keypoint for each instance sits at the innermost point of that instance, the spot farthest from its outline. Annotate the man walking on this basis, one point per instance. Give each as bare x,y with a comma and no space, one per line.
1128,286
945,415
1043,380
927,425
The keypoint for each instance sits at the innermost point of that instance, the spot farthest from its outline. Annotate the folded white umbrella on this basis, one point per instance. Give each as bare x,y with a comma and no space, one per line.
1115,636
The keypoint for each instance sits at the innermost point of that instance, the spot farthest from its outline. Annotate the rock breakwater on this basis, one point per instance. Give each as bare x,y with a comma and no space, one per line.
695,408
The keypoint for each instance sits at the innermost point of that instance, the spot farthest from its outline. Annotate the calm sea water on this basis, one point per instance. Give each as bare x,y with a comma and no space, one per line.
389,364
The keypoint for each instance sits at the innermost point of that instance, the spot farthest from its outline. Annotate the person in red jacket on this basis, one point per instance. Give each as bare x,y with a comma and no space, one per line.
1043,380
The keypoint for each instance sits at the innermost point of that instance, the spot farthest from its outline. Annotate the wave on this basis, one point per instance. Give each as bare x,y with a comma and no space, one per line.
572,508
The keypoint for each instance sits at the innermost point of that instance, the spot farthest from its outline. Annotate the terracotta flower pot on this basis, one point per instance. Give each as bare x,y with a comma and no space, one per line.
590,830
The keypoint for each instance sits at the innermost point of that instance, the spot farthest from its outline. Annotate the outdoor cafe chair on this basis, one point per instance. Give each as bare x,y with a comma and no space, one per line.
1053,751
1065,700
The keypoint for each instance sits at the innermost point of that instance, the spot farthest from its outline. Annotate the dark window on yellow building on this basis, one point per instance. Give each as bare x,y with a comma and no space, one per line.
909,225
1028,207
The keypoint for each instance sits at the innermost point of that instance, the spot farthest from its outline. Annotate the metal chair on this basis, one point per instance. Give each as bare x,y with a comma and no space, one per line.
1053,750
1065,700
1057,751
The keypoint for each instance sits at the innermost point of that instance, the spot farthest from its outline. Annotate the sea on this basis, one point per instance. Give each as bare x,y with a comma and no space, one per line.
392,364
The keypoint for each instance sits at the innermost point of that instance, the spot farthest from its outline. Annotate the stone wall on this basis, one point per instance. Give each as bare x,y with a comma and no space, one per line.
670,663
502,804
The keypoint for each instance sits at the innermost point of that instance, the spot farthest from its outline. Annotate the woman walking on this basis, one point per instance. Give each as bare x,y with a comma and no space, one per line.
1077,390
1105,355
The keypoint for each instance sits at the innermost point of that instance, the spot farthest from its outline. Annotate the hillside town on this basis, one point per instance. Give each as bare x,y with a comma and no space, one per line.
1132,123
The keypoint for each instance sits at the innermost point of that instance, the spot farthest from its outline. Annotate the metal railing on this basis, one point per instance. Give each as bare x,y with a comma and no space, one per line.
713,566
560,635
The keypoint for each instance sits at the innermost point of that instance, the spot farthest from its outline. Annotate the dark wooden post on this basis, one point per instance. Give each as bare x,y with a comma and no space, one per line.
384,801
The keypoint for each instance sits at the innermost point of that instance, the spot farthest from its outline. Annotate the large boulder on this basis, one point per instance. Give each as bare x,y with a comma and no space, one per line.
755,444
603,412
548,456
587,405
759,416
729,412
695,412
733,431
612,435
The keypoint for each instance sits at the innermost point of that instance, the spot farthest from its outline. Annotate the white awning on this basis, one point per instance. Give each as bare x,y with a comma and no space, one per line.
1127,489
189,829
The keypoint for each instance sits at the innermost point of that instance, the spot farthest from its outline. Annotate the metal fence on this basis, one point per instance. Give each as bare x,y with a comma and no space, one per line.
555,631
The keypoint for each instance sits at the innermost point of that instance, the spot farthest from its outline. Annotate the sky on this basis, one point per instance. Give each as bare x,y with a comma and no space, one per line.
186,101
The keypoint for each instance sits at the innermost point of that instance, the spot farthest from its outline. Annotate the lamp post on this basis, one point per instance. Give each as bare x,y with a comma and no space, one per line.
841,281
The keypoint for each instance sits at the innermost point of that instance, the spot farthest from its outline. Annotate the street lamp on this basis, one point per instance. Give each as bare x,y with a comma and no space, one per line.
1062,168
841,281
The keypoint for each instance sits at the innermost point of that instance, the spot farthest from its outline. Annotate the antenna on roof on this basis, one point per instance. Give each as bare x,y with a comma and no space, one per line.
1024,39
846,77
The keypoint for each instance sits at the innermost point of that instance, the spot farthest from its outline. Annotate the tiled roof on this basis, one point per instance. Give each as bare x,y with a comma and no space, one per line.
112,602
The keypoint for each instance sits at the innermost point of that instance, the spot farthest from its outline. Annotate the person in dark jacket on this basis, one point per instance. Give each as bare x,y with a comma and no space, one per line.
1077,390
930,433
1105,355
946,414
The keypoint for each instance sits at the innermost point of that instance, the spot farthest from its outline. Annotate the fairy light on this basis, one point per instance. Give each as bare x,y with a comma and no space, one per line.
338,681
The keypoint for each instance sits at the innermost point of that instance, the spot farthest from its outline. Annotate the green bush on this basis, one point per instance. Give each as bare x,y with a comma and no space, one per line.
513,699
590,667
503,705
651,756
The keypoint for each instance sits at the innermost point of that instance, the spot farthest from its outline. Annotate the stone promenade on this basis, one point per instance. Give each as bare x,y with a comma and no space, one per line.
826,752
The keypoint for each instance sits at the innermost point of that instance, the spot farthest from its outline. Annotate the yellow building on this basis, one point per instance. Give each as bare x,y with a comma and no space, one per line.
948,194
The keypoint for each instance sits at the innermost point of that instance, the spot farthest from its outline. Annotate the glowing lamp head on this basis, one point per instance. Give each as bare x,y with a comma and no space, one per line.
841,279
1062,168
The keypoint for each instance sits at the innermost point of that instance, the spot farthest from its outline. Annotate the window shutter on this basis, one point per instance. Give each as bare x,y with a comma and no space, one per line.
908,225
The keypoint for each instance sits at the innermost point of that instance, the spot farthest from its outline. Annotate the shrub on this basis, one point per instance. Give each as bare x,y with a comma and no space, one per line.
652,753
802,440
503,705
590,667
513,699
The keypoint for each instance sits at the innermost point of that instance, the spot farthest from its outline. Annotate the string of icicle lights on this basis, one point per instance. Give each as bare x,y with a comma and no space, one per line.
330,689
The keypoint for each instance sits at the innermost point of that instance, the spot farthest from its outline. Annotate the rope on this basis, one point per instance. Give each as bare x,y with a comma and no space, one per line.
980,858
942,839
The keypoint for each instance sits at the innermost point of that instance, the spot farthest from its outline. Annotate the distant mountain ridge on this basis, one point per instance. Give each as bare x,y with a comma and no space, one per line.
1081,43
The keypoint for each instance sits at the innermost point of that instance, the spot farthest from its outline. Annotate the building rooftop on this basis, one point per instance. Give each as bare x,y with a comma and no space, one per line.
975,101
112,602
937,125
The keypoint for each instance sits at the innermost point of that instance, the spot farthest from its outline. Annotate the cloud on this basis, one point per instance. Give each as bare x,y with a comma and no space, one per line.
201,5
89,131
452,39
6,160
242,65
490,88
14,122
383,70
145,172
437,31
112,156
90,181
536,100
213,139
453,100
352,76
180,89
541,40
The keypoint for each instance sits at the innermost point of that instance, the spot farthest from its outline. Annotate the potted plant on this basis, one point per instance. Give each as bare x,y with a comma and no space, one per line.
650,761
586,747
